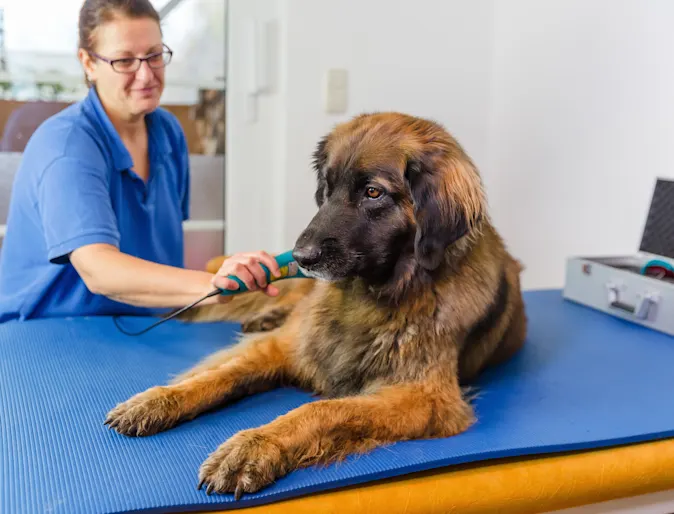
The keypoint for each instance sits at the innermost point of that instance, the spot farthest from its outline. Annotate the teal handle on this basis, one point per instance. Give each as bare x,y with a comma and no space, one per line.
285,261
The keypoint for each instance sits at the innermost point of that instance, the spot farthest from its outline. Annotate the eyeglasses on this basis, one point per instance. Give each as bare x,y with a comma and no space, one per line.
132,64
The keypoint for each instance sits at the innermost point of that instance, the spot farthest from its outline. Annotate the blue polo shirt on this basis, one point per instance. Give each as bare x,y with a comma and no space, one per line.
76,186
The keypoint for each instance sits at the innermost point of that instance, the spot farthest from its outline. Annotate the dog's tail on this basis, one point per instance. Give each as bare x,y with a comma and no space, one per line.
245,306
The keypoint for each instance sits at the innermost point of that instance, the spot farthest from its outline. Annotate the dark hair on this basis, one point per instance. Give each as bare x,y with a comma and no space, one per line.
94,13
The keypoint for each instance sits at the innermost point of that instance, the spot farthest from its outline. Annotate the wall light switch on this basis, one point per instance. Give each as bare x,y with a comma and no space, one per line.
336,91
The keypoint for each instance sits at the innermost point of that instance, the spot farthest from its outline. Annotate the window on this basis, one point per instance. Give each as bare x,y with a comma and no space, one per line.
40,75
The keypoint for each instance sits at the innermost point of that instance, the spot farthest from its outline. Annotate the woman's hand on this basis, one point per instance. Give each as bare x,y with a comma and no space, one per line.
246,267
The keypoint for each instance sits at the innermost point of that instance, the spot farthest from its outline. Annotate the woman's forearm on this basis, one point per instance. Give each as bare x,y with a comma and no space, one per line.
127,279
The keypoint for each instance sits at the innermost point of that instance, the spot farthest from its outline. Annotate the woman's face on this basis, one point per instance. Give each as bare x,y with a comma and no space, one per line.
130,94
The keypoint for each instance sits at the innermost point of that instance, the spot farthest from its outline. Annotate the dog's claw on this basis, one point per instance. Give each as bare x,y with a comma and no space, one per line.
201,484
238,492
210,489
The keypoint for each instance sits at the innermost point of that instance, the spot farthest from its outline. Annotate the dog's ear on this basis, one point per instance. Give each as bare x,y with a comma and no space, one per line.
320,158
448,201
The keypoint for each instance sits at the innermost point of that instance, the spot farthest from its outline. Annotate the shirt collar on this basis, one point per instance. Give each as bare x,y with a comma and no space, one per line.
120,155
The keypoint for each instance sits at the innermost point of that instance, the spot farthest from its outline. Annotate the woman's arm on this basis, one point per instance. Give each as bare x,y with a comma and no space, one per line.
127,279
80,227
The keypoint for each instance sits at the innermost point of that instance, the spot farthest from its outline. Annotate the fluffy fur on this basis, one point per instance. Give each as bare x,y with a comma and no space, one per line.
415,294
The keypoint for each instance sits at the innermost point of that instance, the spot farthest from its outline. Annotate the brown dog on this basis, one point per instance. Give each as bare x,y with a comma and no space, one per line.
415,295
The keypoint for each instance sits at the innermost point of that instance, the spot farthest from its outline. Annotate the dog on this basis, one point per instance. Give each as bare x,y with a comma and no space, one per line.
412,294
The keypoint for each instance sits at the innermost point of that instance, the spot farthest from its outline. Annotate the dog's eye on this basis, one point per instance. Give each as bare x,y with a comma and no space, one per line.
373,192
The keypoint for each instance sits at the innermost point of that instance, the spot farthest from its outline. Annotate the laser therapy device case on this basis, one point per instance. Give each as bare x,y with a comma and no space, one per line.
617,285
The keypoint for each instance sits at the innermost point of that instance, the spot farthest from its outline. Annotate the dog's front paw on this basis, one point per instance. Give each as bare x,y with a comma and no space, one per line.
146,413
247,462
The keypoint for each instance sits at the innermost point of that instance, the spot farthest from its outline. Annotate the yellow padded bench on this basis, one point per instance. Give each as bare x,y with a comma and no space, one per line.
511,486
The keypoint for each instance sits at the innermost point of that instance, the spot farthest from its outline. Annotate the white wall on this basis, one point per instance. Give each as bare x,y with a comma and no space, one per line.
253,212
566,107
582,123
424,57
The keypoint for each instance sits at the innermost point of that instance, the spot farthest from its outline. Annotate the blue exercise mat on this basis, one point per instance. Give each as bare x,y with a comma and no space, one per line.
585,380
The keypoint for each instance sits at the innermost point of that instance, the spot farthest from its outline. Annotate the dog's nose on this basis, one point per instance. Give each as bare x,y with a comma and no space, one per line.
307,255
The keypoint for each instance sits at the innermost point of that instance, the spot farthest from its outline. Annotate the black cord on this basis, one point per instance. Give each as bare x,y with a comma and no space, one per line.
166,318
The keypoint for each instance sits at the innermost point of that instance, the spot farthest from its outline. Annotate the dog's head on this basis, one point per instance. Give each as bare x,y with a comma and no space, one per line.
394,192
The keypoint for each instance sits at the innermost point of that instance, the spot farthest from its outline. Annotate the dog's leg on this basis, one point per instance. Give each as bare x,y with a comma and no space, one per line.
268,320
255,365
211,362
328,430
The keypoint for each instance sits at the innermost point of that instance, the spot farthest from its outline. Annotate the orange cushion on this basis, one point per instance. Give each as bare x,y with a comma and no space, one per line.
512,486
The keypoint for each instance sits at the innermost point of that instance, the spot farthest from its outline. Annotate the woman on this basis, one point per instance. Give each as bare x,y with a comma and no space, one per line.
95,219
